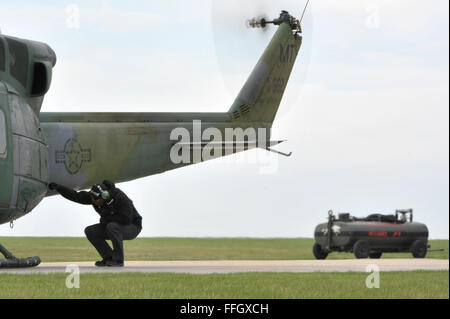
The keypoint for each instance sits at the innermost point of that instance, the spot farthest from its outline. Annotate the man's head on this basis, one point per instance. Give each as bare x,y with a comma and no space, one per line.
100,194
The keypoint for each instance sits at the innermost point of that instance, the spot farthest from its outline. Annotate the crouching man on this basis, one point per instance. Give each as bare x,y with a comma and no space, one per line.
119,219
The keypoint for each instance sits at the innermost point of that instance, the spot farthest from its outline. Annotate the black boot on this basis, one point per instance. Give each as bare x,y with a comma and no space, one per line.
103,263
114,263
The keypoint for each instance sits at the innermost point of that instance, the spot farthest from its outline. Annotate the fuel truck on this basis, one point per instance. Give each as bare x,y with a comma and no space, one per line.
371,236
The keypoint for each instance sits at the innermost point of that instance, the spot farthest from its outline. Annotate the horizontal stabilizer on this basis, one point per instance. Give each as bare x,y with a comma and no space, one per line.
230,145
235,146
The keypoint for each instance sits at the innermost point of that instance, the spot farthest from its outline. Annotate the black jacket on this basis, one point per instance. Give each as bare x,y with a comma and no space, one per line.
121,210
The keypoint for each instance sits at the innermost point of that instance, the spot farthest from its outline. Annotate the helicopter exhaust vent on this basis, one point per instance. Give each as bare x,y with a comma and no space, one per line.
244,108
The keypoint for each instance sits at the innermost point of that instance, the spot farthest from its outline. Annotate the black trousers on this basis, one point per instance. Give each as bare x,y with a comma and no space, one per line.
98,234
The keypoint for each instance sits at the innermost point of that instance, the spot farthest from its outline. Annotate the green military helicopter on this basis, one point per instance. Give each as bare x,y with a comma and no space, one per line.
80,149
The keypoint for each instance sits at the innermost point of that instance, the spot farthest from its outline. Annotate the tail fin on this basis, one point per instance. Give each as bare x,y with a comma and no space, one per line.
260,97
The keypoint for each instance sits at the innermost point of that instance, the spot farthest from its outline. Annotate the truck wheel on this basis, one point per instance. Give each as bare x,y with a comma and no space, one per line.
419,249
318,252
375,255
361,249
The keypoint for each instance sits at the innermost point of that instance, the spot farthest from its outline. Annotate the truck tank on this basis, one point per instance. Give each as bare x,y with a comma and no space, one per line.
371,236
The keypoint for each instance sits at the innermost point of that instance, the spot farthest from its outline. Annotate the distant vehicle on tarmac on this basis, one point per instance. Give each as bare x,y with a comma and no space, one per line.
371,236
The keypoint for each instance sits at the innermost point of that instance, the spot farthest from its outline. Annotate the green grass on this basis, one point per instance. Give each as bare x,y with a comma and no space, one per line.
417,284
79,249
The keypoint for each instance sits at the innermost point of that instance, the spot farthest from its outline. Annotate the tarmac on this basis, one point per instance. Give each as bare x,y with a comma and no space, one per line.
239,266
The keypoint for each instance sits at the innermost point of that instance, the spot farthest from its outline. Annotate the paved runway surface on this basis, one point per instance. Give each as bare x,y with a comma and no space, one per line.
236,266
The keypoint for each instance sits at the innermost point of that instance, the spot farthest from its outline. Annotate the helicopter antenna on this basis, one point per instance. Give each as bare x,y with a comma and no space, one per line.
304,10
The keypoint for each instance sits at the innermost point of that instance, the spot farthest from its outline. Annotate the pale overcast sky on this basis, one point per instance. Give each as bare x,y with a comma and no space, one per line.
366,113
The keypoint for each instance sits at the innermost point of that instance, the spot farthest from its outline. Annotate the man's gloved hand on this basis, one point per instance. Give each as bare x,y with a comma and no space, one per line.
52,186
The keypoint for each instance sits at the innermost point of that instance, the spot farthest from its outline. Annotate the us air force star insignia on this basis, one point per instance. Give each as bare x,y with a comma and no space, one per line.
73,156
